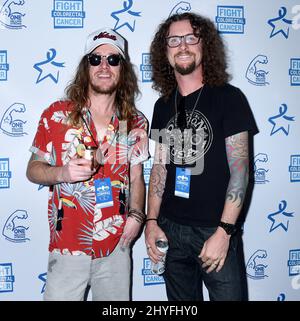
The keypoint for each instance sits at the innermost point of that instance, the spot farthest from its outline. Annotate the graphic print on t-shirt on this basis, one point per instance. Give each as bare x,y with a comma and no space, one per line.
189,147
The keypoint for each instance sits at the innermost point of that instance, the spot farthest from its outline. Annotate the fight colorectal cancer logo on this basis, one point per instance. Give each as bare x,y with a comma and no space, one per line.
7,278
294,71
5,173
4,66
294,168
68,13
230,19
150,278
294,262
146,68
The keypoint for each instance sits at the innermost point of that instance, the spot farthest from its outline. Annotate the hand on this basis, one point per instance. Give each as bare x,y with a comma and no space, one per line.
130,232
214,251
152,233
77,170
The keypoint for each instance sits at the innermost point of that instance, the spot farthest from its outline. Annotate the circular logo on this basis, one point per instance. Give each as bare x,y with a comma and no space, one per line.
190,145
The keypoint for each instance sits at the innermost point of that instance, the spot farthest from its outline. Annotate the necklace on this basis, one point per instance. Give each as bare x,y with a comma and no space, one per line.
193,110
100,156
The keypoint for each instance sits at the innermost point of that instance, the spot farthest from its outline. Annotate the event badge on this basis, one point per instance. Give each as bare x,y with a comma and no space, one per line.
182,182
103,190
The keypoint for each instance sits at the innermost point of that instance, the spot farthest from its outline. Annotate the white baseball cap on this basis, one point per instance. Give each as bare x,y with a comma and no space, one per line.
104,36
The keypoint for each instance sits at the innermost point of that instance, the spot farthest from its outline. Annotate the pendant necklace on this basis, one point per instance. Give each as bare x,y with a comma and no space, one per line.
193,110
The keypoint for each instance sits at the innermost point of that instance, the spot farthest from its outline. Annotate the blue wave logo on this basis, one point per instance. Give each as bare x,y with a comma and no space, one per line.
126,16
281,121
279,24
49,67
280,218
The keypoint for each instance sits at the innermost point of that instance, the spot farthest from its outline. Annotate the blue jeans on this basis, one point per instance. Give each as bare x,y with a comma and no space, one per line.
184,275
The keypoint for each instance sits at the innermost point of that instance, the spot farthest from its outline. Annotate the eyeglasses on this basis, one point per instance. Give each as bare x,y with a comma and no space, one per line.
95,60
189,39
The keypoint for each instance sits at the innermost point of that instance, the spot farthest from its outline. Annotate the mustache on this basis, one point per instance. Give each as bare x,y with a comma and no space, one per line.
185,52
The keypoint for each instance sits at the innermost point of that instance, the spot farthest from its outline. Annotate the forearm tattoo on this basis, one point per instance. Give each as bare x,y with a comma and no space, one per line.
238,162
157,180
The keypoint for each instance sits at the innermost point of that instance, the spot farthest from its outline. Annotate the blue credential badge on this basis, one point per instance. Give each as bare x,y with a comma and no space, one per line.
182,182
103,191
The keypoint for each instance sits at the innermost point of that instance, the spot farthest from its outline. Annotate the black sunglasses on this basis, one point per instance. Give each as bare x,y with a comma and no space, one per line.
95,60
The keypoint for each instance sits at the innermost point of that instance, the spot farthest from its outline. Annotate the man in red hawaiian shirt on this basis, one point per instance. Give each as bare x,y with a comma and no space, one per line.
92,219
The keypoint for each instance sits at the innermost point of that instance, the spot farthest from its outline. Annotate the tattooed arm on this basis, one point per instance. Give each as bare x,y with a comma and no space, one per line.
156,189
215,249
238,161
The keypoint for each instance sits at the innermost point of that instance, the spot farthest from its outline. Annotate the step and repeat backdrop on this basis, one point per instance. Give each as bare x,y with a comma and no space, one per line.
41,43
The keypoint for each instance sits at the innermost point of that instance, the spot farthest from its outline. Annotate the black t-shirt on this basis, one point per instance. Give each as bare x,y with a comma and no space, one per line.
220,112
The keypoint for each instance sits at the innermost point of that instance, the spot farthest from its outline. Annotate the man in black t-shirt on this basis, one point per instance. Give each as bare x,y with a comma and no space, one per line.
201,125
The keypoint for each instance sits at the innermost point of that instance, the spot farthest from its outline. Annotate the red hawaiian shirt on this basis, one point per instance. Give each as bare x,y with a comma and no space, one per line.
86,228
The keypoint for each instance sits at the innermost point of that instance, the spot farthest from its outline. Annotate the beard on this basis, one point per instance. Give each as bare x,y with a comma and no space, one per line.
185,70
104,91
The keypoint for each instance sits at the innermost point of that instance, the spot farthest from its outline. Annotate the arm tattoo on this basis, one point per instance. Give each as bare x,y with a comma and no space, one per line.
238,162
157,180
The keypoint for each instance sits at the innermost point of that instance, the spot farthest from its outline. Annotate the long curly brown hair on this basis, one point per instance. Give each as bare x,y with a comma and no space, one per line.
214,63
126,92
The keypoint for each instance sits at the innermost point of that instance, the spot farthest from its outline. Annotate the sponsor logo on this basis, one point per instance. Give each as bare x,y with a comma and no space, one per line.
281,121
150,278
4,66
11,124
294,72
280,24
49,67
146,68
255,73
5,173
126,16
10,15
230,19
259,171
68,14
43,278
7,278
280,218
147,170
13,229
181,7
294,168
294,263
255,268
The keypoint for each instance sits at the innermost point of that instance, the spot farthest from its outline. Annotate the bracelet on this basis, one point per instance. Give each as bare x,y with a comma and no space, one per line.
150,219
138,215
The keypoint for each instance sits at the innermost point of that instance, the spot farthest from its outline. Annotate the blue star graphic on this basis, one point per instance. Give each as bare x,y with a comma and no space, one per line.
279,24
49,68
124,16
280,218
43,277
281,122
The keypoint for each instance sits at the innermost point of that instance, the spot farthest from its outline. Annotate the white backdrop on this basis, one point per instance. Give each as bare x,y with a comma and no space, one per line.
41,43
